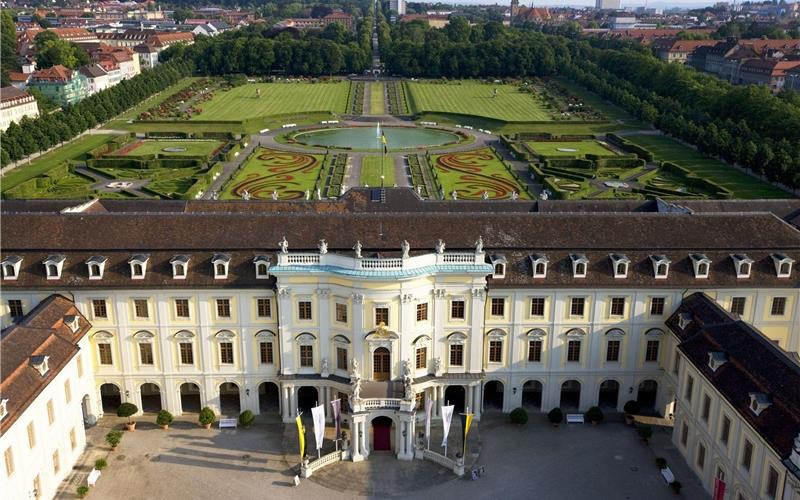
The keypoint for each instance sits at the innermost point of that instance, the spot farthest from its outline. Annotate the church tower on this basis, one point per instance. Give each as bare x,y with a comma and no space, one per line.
514,9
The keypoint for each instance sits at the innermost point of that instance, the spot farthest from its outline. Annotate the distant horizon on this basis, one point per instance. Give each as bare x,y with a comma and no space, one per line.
662,4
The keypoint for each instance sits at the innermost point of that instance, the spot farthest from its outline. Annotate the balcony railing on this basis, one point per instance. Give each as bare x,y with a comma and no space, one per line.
380,264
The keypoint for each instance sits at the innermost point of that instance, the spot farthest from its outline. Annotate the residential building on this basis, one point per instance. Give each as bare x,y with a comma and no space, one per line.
14,105
770,73
398,6
607,4
317,23
675,50
97,78
59,84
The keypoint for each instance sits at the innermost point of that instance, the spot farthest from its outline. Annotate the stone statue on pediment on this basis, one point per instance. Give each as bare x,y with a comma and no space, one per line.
357,249
405,247
323,247
479,245
284,245
440,246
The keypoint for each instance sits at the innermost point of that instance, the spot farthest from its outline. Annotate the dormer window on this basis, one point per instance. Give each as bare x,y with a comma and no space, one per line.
220,262
660,266
11,267
743,264
138,265
620,264
683,320
262,266
701,265
759,402
539,265
499,264
579,265
180,266
716,359
783,265
53,266
3,408
73,322
41,363
96,265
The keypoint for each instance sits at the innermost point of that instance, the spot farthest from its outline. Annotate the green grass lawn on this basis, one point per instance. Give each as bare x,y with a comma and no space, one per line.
741,184
371,171
156,147
376,99
473,98
41,165
472,173
241,103
582,148
268,170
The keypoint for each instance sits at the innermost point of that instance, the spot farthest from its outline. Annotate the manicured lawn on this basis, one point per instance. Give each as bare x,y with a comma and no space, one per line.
371,171
157,99
156,147
376,100
44,163
581,148
742,185
473,98
472,173
268,170
242,103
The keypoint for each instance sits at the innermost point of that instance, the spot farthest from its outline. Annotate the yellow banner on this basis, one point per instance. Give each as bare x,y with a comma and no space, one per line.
466,421
301,436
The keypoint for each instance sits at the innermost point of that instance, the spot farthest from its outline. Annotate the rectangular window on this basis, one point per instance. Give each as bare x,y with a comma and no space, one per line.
146,353
684,434
422,312
99,308
617,306
341,313
701,456
341,358
687,394
651,351
56,463
498,306
772,483
457,309
706,410
67,391
576,306
140,309
306,355
223,308
15,308
778,306
104,350
537,306
535,351
657,306
9,456
265,352
725,430
495,351
574,350
264,308
457,355
737,305
612,350
304,310
182,308
73,440
187,354
382,315
31,435
422,358
747,455
51,413
226,353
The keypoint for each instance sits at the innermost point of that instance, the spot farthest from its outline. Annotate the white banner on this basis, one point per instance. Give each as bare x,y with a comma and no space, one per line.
336,407
318,414
428,408
447,417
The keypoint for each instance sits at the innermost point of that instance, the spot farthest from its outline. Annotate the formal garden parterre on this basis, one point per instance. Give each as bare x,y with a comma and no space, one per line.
287,174
474,175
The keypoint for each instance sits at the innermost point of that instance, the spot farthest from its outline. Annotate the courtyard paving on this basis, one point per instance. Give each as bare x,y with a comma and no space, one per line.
531,461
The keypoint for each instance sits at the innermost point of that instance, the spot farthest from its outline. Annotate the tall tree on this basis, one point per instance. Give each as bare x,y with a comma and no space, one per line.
8,51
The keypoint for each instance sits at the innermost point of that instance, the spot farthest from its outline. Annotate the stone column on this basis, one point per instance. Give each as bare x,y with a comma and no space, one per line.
292,402
355,440
476,399
285,405
364,439
468,396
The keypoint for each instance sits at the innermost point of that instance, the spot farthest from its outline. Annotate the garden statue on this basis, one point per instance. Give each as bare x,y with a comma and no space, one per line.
214,195
275,195
479,245
440,246
357,249
284,245
405,247
308,195
323,247
485,195
514,195
454,194
258,93
319,194
419,190
245,195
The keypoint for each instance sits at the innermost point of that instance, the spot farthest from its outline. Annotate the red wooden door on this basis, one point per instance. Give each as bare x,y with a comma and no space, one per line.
381,436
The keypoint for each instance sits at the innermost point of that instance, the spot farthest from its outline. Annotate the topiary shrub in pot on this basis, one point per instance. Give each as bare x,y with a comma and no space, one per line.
645,433
127,410
631,408
207,417
164,418
100,464
519,416
113,438
246,418
555,416
676,487
82,491
594,415
661,463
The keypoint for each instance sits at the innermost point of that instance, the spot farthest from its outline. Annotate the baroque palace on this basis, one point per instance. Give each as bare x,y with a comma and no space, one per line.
277,306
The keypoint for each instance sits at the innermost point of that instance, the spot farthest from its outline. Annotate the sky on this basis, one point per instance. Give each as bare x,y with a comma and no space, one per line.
590,3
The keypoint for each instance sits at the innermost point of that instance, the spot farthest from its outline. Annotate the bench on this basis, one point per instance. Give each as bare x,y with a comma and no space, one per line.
574,418
93,476
227,423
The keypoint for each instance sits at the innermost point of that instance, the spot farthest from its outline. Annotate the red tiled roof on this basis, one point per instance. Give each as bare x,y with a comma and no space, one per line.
56,73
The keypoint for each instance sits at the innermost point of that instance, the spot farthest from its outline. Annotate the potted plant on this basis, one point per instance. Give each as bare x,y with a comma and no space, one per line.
246,418
100,464
594,415
661,463
207,417
631,408
164,418
113,438
82,491
645,433
127,410
555,416
676,487
519,416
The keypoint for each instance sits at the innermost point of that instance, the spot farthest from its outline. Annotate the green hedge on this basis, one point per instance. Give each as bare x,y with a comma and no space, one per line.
695,181
569,163
630,147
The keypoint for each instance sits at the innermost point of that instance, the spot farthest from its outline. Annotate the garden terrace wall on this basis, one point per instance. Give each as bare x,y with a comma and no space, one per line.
630,147
693,180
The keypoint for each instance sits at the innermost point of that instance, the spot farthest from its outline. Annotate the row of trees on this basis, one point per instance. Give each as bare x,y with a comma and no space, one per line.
8,48
52,51
31,135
